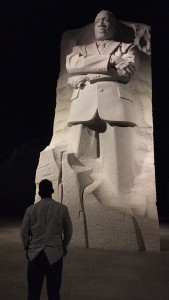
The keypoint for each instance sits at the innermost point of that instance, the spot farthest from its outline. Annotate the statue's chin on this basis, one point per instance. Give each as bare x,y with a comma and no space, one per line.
101,36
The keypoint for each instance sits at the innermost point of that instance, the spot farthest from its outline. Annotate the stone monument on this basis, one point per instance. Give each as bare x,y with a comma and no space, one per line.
101,158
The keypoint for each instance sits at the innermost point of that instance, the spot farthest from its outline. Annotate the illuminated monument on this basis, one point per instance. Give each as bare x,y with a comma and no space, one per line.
101,158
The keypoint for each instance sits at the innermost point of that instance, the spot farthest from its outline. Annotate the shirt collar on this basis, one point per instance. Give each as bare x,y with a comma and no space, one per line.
105,41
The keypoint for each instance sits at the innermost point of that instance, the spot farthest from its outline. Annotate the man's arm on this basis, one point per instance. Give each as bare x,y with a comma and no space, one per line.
81,63
67,230
127,63
109,67
25,230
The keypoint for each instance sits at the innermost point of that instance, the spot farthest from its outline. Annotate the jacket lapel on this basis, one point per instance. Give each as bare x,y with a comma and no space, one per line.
92,49
111,47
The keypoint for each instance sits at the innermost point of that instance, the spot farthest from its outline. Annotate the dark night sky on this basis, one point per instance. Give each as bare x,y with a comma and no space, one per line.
29,58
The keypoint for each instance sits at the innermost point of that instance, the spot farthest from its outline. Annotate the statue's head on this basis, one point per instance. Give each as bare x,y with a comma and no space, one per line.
105,25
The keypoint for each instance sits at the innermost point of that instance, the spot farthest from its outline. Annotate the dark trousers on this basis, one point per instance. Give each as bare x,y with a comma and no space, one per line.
37,270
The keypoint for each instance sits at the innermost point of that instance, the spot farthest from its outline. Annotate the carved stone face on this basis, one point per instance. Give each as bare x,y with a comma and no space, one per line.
105,24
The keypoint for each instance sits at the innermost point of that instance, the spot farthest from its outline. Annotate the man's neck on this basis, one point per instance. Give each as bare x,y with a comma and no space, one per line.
46,197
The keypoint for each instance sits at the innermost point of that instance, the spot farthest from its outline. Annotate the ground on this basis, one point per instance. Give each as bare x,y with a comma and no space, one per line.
90,274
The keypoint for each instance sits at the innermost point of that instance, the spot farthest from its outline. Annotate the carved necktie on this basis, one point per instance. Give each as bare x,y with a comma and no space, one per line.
101,46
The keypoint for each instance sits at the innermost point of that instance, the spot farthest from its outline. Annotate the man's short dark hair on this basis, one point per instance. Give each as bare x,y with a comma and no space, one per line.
45,188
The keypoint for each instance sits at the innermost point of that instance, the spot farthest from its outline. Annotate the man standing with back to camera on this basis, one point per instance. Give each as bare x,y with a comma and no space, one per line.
41,232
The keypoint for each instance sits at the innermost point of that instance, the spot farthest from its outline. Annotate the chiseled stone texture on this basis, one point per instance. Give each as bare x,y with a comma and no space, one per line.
111,196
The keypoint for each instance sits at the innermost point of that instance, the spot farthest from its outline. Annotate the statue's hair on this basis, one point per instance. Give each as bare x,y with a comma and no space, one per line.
110,13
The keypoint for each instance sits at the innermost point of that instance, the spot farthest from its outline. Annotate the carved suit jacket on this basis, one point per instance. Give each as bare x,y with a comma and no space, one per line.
104,91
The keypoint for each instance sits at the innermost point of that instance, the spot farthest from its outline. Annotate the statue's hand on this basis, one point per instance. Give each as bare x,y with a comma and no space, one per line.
122,65
125,69
117,61
77,81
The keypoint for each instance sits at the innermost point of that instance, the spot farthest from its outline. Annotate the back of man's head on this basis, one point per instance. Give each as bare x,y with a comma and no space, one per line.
45,188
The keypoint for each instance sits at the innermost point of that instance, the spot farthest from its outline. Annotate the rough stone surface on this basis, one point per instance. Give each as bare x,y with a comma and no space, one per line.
111,195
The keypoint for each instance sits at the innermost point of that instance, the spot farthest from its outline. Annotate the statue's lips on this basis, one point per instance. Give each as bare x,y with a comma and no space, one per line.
101,29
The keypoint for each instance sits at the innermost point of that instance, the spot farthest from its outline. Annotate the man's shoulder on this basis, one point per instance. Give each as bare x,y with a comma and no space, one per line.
58,204
40,203
52,201
60,207
29,208
82,49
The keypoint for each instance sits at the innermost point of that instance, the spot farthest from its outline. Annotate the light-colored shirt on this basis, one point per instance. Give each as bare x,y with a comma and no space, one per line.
46,226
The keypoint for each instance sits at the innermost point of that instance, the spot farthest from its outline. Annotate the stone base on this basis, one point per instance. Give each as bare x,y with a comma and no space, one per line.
118,226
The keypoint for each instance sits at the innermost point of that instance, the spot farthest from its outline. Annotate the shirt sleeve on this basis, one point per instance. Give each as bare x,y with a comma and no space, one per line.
67,228
24,232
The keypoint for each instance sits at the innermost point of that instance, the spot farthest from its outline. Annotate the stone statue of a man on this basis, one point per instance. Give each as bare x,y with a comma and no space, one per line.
103,165
99,72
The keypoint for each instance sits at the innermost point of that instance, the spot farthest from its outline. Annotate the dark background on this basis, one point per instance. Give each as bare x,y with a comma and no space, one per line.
30,34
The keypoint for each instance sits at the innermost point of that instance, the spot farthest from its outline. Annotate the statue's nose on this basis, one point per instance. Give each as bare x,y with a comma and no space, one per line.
101,23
